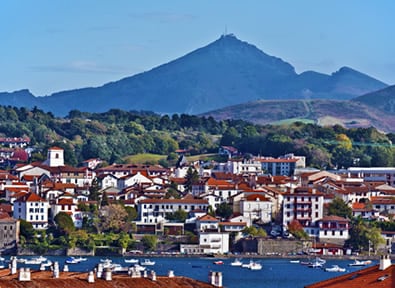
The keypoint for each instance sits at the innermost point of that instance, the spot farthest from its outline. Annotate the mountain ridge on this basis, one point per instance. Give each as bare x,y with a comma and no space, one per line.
223,73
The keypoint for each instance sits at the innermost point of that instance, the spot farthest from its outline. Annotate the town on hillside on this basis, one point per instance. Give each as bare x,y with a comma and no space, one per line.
256,205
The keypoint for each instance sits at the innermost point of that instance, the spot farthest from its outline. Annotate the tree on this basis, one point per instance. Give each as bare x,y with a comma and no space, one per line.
296,229
64,223
363,236
191,178
254,232
26,229
224,210
113,218
132,213
339,208
180,216
150,242
94,193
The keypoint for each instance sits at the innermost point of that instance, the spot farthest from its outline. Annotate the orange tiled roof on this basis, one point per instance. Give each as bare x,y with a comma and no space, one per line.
208,217
364,278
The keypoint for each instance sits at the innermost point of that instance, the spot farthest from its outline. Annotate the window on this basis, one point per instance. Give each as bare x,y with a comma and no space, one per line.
333,232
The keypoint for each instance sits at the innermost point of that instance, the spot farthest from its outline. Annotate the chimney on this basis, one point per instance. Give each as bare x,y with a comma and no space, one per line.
24,274
385,262
170,274
56,270
215,278
99,271
13,265
107,274
153,275
91,277
66,268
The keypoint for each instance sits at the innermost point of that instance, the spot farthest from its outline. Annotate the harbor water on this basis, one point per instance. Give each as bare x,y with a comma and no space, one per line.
275,272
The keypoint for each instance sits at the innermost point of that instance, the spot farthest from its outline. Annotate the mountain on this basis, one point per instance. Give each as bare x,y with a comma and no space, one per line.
226,72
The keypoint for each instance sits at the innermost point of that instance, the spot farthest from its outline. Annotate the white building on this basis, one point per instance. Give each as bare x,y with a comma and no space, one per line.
333,228
304,205
256,207
33,209
55,157
214,242
244,167
156,210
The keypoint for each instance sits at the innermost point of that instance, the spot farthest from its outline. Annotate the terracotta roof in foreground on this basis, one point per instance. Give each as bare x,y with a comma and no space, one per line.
75,279
365,278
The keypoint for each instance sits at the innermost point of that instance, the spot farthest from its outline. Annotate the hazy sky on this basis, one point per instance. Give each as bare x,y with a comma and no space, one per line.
49,46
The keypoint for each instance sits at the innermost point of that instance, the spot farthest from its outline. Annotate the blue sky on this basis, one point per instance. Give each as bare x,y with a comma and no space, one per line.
49,46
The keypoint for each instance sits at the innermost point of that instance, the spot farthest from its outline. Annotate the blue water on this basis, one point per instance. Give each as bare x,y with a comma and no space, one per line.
278,273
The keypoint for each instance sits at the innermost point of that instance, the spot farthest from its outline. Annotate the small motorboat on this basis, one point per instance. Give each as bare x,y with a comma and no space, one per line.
335,268
219,262
294,261
360,263
236,262
133,261
255,266
147,262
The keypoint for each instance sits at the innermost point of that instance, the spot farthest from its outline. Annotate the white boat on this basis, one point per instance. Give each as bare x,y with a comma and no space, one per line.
294,261
133,261
255,266
81,259
106,260
236,262
147,262
316,264
335,268
72,260
35,260
360,263
252,265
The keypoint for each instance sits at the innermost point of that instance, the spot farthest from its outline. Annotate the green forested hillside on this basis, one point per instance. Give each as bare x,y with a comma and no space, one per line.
115,134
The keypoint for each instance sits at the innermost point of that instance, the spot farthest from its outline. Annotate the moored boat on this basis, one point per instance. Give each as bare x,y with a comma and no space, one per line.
236,262
360,263
335,268
131,260
147,262
219,262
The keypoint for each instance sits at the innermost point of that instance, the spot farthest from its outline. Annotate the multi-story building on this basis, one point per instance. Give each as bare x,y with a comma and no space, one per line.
304,205
9,232
256,207
33,209
156,210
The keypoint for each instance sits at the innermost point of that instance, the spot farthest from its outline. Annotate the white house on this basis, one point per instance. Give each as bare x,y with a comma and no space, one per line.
256,207
33,209
333,228
133,179
207,223
214,242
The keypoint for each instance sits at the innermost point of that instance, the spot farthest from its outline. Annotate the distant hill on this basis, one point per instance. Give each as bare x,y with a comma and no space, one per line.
350,114
383,99
226,72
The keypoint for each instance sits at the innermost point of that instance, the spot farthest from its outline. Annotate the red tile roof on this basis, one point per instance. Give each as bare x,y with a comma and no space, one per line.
208,217
364,278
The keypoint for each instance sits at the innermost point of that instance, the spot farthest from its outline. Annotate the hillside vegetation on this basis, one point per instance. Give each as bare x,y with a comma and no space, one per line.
114,135
350,114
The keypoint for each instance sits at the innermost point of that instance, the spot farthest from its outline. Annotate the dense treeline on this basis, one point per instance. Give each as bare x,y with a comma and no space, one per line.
115,134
